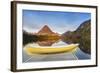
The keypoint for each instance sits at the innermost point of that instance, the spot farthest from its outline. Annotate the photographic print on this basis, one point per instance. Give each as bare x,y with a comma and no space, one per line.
46,31
51,36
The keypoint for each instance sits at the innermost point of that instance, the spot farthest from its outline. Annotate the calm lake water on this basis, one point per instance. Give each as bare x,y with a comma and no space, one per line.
77,55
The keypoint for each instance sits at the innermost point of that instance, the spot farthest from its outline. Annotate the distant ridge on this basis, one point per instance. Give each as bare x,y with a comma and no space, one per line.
81,35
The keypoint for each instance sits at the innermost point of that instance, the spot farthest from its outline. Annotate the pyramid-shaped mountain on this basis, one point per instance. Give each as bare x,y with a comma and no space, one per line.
45,31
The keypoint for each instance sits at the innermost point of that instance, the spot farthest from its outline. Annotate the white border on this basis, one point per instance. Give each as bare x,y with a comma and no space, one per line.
34,65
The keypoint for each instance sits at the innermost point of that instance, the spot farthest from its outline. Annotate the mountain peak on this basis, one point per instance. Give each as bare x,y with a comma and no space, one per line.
45,30
46,27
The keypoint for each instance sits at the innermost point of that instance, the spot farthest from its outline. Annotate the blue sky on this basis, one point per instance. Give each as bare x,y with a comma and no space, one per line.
59,22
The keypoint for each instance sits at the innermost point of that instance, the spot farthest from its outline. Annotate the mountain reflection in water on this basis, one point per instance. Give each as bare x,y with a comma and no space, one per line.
46,43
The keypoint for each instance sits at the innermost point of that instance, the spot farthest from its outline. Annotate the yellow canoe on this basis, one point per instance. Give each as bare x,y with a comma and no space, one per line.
50,50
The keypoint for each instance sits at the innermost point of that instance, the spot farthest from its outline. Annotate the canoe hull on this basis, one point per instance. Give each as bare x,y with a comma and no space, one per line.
51,50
